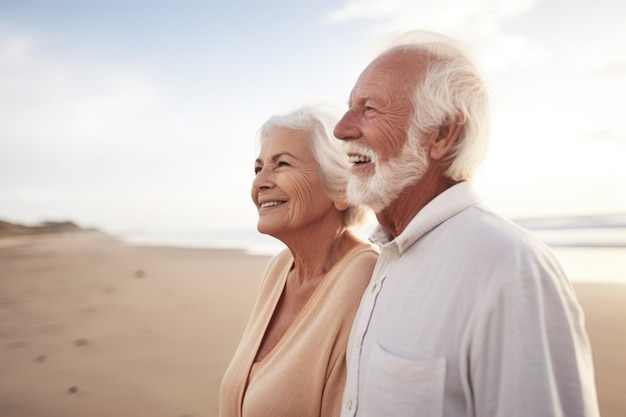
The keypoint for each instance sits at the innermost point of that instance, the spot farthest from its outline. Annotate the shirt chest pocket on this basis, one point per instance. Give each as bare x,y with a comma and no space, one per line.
396,386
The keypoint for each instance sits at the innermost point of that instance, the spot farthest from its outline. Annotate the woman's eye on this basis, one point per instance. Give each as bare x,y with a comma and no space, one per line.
257,170
283,164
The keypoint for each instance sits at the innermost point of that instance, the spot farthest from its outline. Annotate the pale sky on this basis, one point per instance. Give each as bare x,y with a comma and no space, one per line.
142,115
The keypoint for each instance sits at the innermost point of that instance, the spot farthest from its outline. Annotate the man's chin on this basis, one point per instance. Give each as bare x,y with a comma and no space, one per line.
359,194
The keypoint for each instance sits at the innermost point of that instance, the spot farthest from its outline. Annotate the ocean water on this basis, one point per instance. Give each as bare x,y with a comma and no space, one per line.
590,249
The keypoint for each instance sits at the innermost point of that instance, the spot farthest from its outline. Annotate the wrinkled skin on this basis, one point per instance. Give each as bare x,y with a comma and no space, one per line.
399,170
286,172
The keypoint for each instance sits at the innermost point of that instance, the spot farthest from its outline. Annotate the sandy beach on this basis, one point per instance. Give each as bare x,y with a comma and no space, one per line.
92,327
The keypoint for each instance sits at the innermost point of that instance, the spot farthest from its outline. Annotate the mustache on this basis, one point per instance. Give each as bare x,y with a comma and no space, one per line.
360,149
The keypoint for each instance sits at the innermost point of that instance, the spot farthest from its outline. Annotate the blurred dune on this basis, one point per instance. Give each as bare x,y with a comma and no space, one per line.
16,229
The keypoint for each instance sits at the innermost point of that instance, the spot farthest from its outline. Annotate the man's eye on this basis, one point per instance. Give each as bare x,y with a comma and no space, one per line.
257,170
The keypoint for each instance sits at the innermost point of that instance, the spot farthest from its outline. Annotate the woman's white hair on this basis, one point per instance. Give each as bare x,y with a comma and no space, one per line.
318,122
452,90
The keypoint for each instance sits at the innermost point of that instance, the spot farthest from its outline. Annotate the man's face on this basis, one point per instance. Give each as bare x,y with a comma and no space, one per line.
378,133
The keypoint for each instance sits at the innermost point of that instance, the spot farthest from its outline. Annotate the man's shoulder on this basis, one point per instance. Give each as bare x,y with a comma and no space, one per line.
479,230
482,220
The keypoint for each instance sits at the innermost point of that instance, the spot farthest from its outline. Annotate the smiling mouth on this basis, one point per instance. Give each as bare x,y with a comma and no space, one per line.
359,159
272,204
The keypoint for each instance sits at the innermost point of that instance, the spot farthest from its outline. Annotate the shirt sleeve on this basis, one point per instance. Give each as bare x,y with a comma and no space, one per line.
528,352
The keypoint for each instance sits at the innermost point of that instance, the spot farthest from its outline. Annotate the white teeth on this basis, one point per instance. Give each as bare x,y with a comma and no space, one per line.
359,154
271,204
354,159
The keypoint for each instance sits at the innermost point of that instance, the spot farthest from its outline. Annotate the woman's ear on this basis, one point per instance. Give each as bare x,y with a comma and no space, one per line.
341,206
445,140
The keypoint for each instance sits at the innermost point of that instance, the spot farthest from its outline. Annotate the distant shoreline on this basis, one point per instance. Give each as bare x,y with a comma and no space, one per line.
593,232
9,229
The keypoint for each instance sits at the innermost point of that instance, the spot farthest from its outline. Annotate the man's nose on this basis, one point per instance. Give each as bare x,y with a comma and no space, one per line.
347,128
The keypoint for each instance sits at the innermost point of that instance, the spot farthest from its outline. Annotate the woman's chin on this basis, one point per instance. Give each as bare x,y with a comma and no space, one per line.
266,230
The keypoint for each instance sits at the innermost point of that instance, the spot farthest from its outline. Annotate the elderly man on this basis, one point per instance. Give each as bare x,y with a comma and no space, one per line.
466,313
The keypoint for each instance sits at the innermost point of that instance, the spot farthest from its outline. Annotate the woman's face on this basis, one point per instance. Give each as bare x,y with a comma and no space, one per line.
288,190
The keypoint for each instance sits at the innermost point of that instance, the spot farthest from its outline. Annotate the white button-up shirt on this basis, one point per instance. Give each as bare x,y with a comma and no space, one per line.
467,315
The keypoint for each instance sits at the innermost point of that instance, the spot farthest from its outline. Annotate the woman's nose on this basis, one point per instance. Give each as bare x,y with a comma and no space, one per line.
262,180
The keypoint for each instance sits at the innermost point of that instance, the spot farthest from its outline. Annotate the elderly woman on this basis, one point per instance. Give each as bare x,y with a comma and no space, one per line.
291,358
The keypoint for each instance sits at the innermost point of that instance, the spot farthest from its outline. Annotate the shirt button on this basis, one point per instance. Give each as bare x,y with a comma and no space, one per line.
349,405
374,287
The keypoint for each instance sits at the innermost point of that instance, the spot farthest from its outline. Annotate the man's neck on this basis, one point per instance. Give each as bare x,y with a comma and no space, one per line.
396,217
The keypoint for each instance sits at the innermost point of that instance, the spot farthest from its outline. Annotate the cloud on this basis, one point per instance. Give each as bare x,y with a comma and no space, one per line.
614,69
446,14
363,9
14,49
604,136
93,138
65,103
480,23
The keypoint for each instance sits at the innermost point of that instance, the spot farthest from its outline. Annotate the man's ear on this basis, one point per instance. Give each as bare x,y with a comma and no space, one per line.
445,140
341,206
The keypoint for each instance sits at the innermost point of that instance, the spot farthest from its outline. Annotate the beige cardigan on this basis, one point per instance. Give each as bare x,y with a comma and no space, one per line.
304,375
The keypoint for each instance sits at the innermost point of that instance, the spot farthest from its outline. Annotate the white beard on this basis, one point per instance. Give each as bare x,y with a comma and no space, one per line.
389,178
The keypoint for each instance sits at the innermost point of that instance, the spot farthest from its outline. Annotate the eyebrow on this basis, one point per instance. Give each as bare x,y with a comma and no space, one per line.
277,156
360,98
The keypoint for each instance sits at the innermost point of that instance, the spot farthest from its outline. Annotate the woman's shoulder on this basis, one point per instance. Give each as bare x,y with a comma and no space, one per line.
362,254
282,258
352,275
276,269
358,263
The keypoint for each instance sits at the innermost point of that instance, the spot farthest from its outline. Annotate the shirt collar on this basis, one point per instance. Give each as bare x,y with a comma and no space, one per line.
447,204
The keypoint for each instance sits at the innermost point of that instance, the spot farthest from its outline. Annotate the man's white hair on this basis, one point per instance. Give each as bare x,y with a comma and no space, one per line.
452,90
